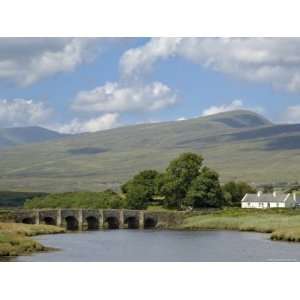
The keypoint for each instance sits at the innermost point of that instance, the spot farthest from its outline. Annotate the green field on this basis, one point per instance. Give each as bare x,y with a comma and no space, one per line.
240,145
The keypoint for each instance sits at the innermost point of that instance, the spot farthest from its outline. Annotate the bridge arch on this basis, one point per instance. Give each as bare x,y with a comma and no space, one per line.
71,223
49,220
150,222
92,223
28,220
132,222
112,222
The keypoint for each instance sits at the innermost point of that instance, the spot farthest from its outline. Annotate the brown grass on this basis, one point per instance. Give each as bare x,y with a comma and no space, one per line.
14,238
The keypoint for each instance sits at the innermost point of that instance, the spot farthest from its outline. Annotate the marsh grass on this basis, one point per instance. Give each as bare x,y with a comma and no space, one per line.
282,224
15,238
291,234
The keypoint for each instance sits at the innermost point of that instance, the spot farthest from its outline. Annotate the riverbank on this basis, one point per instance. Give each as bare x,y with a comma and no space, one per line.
15,238
283,224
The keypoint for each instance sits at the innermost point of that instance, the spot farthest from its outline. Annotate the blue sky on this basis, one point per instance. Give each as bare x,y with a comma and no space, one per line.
78,85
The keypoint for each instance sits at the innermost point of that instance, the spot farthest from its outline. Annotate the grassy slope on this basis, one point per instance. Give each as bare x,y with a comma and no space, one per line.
229,142
14,238
26,135
283,224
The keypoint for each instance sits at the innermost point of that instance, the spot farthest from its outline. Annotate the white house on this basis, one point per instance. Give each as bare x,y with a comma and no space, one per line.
273,200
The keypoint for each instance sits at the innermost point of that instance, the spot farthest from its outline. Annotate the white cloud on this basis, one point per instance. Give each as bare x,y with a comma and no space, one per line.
115,97
106,121
234,105
27,60
141,59
271,60
181,119
22,112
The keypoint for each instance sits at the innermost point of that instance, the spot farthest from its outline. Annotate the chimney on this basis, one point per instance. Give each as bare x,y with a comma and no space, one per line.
274,194
259,193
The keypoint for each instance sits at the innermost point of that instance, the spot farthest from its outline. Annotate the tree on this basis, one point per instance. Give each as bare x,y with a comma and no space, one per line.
125,186
205,190
235,191
146,178
159,182
178,178
172,192
268,188
137,196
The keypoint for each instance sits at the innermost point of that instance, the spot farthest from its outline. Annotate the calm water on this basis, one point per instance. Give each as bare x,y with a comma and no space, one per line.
139,245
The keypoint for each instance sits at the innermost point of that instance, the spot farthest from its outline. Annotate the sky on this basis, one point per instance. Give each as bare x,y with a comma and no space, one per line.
75,85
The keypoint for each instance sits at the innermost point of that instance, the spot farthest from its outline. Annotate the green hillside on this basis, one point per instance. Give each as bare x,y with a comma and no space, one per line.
26,135
239,144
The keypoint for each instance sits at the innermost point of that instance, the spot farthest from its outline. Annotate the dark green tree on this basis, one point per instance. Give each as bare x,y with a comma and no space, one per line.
146,178
141,189
205,190
125,186
235,191
178,178
268,188
137,196
159,182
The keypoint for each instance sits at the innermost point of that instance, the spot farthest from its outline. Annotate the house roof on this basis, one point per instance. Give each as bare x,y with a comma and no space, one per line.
266,198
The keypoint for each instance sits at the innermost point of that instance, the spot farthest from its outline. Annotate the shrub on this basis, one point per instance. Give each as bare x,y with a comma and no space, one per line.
105,199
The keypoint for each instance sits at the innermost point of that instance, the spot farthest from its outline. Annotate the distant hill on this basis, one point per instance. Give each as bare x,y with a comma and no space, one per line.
239,144
16,199
26,135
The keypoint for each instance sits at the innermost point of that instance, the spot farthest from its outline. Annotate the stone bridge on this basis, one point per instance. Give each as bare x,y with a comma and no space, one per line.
90,219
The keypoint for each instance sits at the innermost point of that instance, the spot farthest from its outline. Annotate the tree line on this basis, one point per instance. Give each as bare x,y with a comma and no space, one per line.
186,183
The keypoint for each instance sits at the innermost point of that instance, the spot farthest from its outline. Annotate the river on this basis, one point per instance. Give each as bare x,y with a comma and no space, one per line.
163,246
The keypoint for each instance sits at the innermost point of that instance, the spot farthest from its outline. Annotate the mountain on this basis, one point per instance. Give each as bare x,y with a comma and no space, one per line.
240,145
26,135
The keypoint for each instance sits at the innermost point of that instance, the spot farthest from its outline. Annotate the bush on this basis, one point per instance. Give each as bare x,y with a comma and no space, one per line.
106,199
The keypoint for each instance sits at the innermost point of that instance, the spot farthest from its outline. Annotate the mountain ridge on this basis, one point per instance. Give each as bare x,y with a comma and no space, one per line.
240,145
13,136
